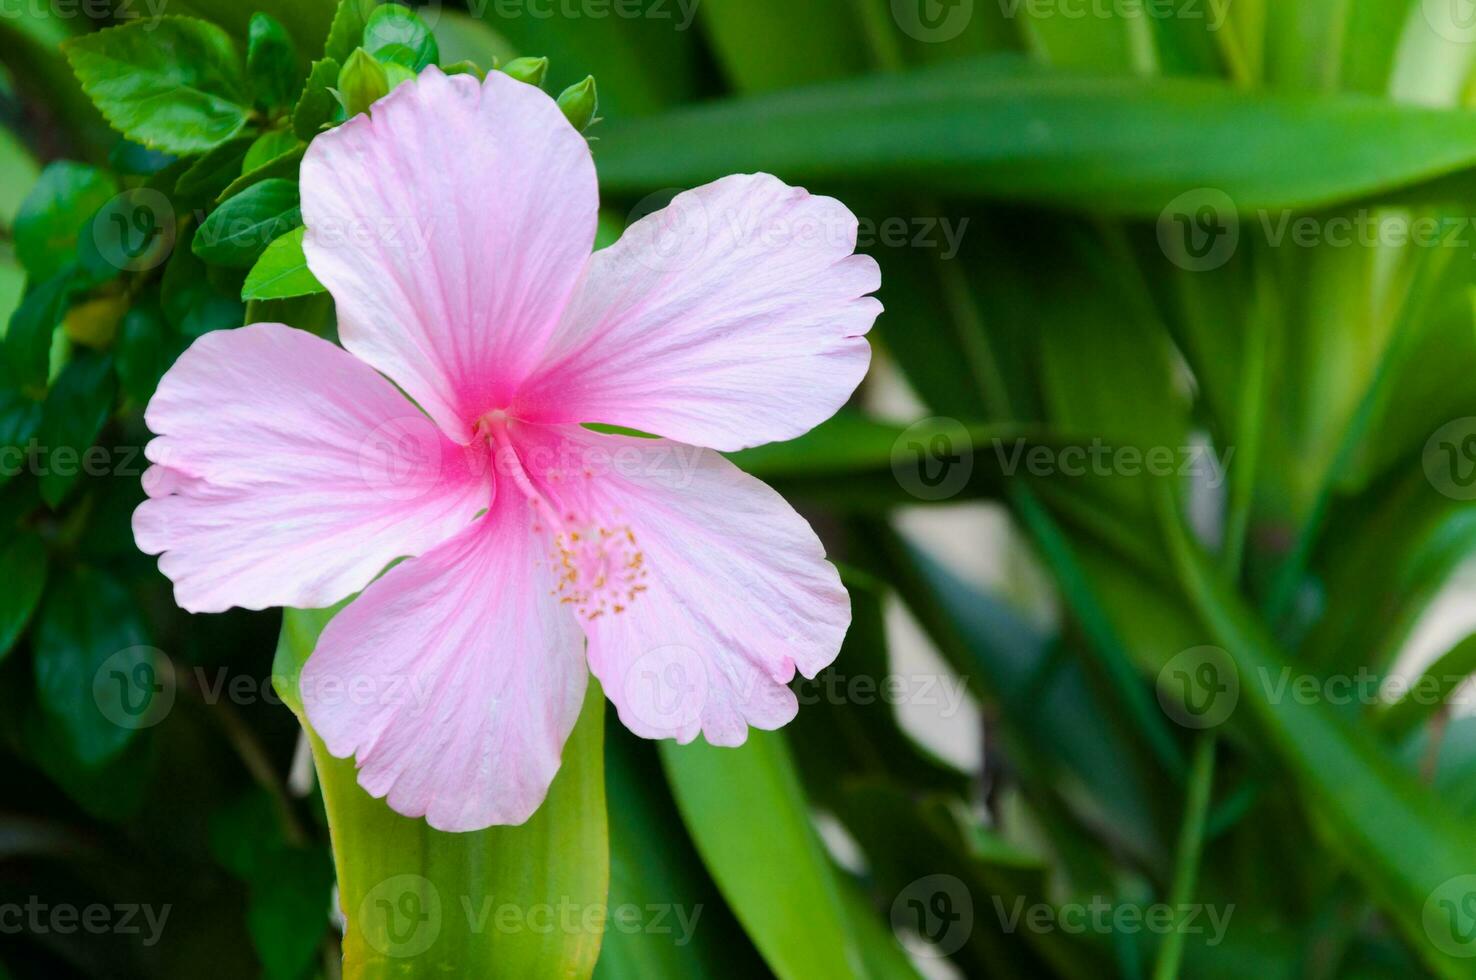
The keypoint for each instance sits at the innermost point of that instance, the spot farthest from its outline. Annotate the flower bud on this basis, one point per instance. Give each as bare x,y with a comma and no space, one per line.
464,67
530,70
361,82
580,103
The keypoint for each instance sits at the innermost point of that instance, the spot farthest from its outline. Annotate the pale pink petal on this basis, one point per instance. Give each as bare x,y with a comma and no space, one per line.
289,473
736,316
700,588
161,481
450,225
456,678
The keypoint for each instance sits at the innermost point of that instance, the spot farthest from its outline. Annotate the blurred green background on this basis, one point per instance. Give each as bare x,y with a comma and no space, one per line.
1155,512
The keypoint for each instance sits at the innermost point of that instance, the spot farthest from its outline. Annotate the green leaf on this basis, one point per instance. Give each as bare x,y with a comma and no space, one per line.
558,860
769,44
288,910
1385,826
653,866
316,103
1120,145
191,301
56,212
361,83
211,173
170,83
29,335
464,39
268,147
271,62
801,928
644,63
23,565
281,271
394,26
90,652
284,166
1427,693
142,353
307,21
127,157
347,30
239,231
76,409
17,173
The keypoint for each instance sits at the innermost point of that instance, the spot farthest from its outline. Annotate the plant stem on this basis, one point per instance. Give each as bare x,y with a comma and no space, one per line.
1191,843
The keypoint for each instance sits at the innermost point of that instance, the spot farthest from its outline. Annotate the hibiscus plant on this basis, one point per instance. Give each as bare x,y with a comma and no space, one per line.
457,518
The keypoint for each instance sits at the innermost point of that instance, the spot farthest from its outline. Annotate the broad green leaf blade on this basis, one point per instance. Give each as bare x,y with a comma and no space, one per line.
524,901
1116,40
315,104
746,812
28,336
643,63
1390,830
23,564
267,148
997,127
76,409
55,213
282,167
462,38
92,664
653,866
239,231
393,26
1050,709
772,44
271,62
209,174
1428,692
281,271
142,355
307,21
172,83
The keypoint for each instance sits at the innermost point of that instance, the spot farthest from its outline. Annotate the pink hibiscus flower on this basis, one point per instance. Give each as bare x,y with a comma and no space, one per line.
454,230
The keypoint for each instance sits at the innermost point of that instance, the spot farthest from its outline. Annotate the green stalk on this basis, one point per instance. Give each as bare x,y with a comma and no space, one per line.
1191,845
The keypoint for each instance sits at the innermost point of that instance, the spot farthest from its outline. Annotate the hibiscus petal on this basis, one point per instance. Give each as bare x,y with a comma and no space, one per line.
451,225
732,318
455,679
714,590
289,473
